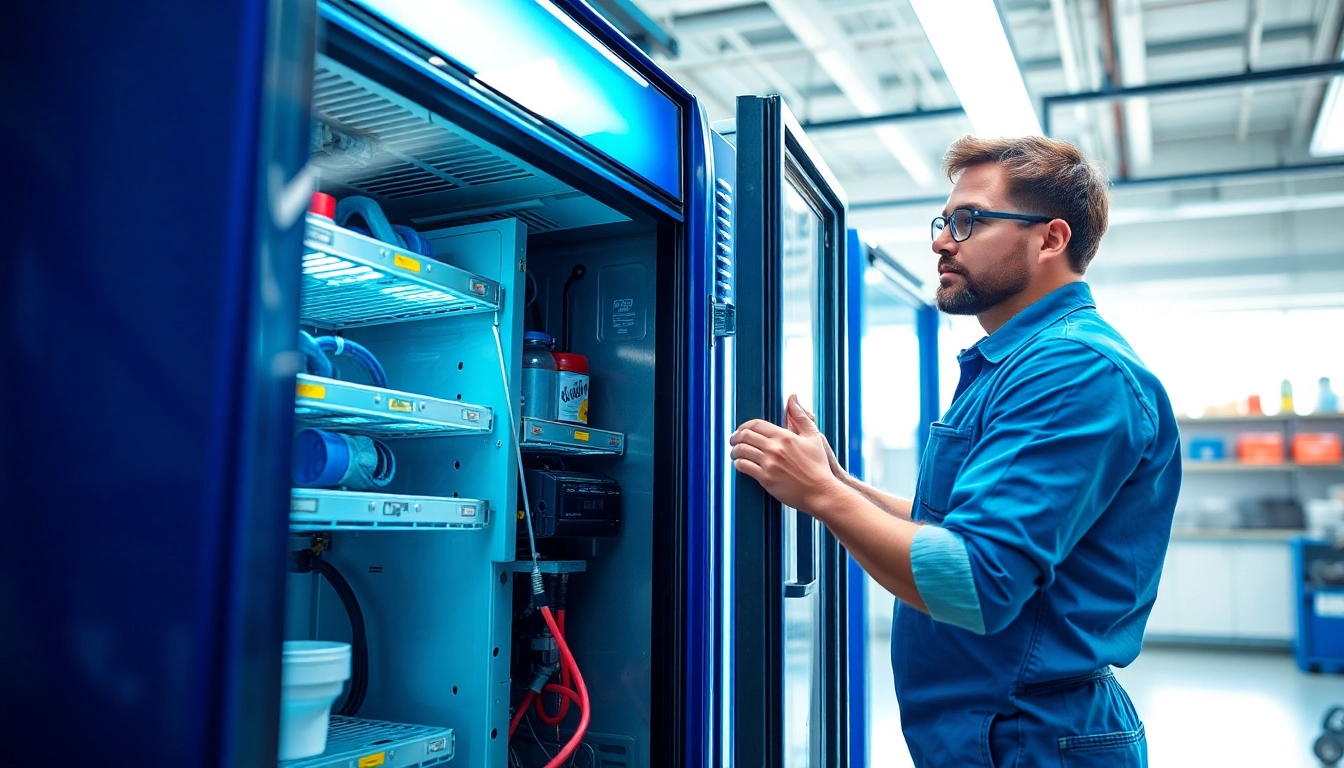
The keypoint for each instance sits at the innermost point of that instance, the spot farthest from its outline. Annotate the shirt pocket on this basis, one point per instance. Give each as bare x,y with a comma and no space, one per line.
944,455
1121,749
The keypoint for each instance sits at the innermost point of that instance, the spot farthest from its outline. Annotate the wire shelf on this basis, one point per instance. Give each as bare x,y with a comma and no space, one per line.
552,437
320,510
383,413
355,743
351,280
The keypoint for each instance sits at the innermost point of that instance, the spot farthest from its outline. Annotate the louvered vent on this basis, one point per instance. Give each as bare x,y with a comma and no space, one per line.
535,222
416,153
723,241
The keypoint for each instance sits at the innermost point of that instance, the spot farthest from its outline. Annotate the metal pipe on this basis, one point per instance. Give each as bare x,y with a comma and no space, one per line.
1254,38
889,118
1287,74
1112,79
1239,174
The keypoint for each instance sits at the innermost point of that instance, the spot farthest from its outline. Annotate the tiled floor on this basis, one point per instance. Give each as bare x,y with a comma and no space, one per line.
1229,709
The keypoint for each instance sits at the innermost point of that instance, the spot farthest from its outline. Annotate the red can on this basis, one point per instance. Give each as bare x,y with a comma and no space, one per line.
572,372
323,205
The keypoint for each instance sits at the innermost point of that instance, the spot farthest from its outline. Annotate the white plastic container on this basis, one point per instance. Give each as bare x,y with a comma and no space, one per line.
1325,518
312,675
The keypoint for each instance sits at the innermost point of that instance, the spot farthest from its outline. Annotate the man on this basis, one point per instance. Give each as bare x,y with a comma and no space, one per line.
1027,563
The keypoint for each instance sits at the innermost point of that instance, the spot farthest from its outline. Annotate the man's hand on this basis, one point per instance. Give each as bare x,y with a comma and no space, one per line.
803,422
794,468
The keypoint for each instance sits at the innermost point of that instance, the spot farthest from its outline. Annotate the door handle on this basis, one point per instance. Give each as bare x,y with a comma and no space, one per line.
800,552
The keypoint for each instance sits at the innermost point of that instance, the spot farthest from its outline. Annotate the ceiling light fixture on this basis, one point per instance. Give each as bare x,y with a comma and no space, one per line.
972,46
1328,138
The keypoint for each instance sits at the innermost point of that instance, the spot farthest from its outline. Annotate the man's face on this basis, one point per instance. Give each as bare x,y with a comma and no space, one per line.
994,264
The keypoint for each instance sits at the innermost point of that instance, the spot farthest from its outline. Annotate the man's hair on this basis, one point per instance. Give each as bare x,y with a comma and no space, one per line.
1048,178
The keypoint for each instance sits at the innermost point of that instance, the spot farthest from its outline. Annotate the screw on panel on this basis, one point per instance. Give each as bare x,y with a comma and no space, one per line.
499,443
372,506
522,265
422,406
377,399
417,507
429,267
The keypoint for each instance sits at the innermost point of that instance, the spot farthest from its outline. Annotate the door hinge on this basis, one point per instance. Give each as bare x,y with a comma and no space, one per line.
723,319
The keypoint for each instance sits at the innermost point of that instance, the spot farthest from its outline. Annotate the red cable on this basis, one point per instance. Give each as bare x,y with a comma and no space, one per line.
522,710
582,696
563,710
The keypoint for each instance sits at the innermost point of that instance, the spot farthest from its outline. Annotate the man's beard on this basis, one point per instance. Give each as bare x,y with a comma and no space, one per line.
976,295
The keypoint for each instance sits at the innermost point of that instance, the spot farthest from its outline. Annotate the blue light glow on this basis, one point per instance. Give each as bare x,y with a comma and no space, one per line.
536,55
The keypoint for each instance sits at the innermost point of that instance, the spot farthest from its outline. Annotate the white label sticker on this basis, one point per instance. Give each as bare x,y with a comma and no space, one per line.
1330,604
623,315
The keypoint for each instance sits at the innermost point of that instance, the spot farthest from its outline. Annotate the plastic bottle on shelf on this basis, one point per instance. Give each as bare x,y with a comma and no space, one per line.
1286,398
572,399
1326,399
540,383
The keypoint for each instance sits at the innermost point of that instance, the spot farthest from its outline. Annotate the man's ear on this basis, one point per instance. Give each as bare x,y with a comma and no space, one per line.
1058,233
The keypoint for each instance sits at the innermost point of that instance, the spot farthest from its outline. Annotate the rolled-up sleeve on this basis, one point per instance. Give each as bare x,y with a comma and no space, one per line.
1060,438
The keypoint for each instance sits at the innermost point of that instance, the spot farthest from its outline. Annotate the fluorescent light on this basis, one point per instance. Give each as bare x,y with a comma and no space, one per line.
969,39
1328,138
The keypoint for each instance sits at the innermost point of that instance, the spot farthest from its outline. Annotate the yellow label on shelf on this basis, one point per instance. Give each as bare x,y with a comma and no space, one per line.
403,406
405,262
370,761
580,435
312,391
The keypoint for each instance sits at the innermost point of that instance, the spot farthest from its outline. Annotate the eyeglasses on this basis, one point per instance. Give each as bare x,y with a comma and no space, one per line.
962,221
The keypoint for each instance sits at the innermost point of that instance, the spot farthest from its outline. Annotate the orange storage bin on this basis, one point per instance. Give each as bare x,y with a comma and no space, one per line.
1317,448
1260,448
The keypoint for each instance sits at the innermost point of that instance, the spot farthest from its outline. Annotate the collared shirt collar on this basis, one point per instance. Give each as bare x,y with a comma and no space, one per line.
1050,309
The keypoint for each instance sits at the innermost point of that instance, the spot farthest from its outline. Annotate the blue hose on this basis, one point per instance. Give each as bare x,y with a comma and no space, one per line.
315,361
324,459
337,346
377,225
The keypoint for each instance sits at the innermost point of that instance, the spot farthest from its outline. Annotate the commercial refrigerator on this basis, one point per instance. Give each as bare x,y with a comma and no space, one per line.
164,264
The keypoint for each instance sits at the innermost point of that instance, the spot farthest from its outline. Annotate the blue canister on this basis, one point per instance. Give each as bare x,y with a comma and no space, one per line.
325,459
320,458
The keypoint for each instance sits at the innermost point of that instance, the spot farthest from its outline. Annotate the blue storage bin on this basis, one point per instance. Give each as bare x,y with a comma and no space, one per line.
1208,449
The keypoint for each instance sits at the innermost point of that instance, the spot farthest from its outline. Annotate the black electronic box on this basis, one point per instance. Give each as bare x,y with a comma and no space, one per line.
572,504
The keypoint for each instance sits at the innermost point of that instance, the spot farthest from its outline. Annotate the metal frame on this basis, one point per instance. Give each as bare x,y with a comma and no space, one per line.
364,43
770,147
889,118
1302,169
1287,74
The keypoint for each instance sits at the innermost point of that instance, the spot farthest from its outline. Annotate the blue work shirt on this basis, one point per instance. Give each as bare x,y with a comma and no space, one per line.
1051,481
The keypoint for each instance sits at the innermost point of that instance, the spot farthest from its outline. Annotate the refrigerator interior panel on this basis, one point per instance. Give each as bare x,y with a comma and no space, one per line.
440,606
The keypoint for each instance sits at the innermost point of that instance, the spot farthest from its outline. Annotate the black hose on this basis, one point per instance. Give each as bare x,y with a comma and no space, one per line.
575,275
359,674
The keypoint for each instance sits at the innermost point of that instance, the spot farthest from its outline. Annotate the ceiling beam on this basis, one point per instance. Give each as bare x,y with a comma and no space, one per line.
1194,45
814,25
